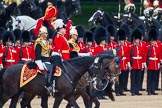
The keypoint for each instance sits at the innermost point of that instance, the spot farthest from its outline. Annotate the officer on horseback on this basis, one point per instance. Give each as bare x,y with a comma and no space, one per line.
129,7
148,9
42,54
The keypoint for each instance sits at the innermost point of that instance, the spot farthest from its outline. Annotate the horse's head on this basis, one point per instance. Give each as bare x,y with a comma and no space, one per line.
76,4
108,68
96,17
17,23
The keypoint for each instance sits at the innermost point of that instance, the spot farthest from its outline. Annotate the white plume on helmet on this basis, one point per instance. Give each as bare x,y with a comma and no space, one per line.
145,3
58,24
73,31
43,29
156,3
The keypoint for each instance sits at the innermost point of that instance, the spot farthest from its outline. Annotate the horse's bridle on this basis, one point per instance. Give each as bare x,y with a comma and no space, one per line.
104,74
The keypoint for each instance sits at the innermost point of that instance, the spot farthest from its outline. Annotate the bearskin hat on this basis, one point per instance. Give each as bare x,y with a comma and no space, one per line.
121,34
2,30
81,30
8,36
17,34
26,37
100,34
152,34
73,54
54,2
136,34
88,37
127,29
111,30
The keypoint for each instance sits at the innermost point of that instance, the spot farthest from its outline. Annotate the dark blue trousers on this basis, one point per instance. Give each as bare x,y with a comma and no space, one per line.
135,80
151,80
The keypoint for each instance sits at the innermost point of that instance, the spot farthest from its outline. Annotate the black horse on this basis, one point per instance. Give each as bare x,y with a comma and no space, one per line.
100,17
75,68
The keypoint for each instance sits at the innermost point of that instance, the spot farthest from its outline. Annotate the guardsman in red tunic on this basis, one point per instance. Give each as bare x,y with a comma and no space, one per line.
10,51
60,42
111,43
81,31
26,49
124,54
136,55
153,62
143,45
100,38
2,48
88,39
128,44
50,16
17,35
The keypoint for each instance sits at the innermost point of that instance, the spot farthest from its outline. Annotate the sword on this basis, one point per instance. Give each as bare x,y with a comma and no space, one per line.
118,20
141,7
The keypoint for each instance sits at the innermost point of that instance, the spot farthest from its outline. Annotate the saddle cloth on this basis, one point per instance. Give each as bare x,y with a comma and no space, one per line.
27,75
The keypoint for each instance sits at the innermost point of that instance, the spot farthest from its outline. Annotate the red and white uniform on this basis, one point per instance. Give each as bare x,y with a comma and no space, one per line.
17,57
81,46
62,46
26,53
9,54
2,50
89,50
154,57
136,56
125,54
99,49
111,45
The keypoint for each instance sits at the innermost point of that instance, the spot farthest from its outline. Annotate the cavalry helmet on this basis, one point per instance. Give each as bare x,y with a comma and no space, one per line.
73,31
57,24
42,30
155,3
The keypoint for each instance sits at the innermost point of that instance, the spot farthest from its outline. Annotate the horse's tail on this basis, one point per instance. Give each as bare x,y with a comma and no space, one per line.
1,76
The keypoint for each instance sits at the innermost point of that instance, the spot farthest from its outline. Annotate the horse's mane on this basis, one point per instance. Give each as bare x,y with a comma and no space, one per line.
108,17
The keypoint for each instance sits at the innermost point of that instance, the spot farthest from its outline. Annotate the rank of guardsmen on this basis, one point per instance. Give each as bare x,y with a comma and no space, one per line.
70,41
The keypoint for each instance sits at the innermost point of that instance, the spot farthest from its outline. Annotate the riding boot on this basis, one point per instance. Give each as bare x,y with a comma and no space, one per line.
48,86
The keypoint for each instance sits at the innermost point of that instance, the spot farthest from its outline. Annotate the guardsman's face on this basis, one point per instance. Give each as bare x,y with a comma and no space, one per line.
126,1
44,35
89,43
62,31
80,39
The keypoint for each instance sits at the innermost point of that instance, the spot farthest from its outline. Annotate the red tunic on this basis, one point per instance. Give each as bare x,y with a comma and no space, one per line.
62,46
81,46
10,56
99,49
153,57
136,56
2,50
112,45
125,54
26,53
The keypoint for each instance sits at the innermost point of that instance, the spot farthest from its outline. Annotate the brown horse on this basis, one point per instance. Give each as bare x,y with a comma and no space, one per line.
72,72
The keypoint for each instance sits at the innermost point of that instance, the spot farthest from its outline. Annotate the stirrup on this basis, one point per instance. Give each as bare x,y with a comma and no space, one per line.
49,89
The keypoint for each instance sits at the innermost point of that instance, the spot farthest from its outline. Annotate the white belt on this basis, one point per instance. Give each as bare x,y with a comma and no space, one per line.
153,58
25,59
1,54
10,60
137,57
124,58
